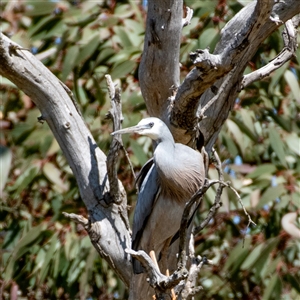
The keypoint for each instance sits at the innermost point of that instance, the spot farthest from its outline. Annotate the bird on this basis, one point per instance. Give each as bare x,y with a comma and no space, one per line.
165,183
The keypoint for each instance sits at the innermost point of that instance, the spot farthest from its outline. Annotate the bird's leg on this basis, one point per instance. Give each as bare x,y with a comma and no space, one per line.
164,255
153,257
172,290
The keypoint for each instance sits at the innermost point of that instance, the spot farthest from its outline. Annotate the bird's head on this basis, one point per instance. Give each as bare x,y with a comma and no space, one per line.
151,127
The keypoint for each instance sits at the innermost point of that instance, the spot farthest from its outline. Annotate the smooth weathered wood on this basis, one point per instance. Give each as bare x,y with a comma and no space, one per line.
108,222
287,53
159,68
239,41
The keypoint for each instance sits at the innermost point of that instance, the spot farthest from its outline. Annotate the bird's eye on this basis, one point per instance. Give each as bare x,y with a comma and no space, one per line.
151,124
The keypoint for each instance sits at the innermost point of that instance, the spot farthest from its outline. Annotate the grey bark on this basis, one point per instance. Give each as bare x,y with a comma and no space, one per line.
107,225
159,68
216,79
239,41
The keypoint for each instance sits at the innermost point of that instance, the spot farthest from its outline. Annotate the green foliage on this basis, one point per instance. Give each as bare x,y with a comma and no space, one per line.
80,42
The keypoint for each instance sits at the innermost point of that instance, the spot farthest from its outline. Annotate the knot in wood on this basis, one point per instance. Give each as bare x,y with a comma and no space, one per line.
67,125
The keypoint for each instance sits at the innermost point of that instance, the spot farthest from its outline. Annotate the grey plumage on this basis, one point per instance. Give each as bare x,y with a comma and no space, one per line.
165,183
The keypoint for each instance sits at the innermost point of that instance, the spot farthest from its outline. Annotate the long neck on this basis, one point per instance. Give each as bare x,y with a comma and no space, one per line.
165,145
164,156
166,138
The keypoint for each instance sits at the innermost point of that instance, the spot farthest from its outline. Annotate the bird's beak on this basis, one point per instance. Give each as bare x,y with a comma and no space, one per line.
135,129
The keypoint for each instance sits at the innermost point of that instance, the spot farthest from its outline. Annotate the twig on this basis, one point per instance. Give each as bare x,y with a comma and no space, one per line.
110,86
129,161
217,203
186,218
195,202
218,167
187,20
77,219
115,96
290,46
241,203
218,91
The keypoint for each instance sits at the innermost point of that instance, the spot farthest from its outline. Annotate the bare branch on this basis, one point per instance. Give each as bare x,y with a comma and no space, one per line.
212,66
189,211
77,219
160,282
189,14
193,205
155,277
129,161
108,225
115,113
290,43
191,288
224,88
217,202
111,87
241,203
240,39
205,61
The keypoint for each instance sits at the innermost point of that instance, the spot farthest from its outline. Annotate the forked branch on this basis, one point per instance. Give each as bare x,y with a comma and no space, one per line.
287,53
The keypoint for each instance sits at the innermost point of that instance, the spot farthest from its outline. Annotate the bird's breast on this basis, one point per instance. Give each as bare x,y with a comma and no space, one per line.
181,172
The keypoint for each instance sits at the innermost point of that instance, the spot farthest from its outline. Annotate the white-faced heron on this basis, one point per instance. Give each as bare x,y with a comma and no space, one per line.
165,184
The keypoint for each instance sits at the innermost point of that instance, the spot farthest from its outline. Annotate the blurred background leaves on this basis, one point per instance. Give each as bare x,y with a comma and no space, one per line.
43,256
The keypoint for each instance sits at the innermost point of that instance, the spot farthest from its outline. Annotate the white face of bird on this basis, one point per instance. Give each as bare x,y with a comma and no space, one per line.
151,127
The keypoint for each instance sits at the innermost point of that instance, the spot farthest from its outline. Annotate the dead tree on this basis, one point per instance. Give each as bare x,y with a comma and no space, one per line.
194,110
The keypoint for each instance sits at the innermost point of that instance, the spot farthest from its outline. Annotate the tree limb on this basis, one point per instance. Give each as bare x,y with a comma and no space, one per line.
107,223
287,53
161,283
240,39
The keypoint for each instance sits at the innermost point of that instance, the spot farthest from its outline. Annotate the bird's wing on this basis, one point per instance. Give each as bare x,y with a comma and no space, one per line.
148,193
143,173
